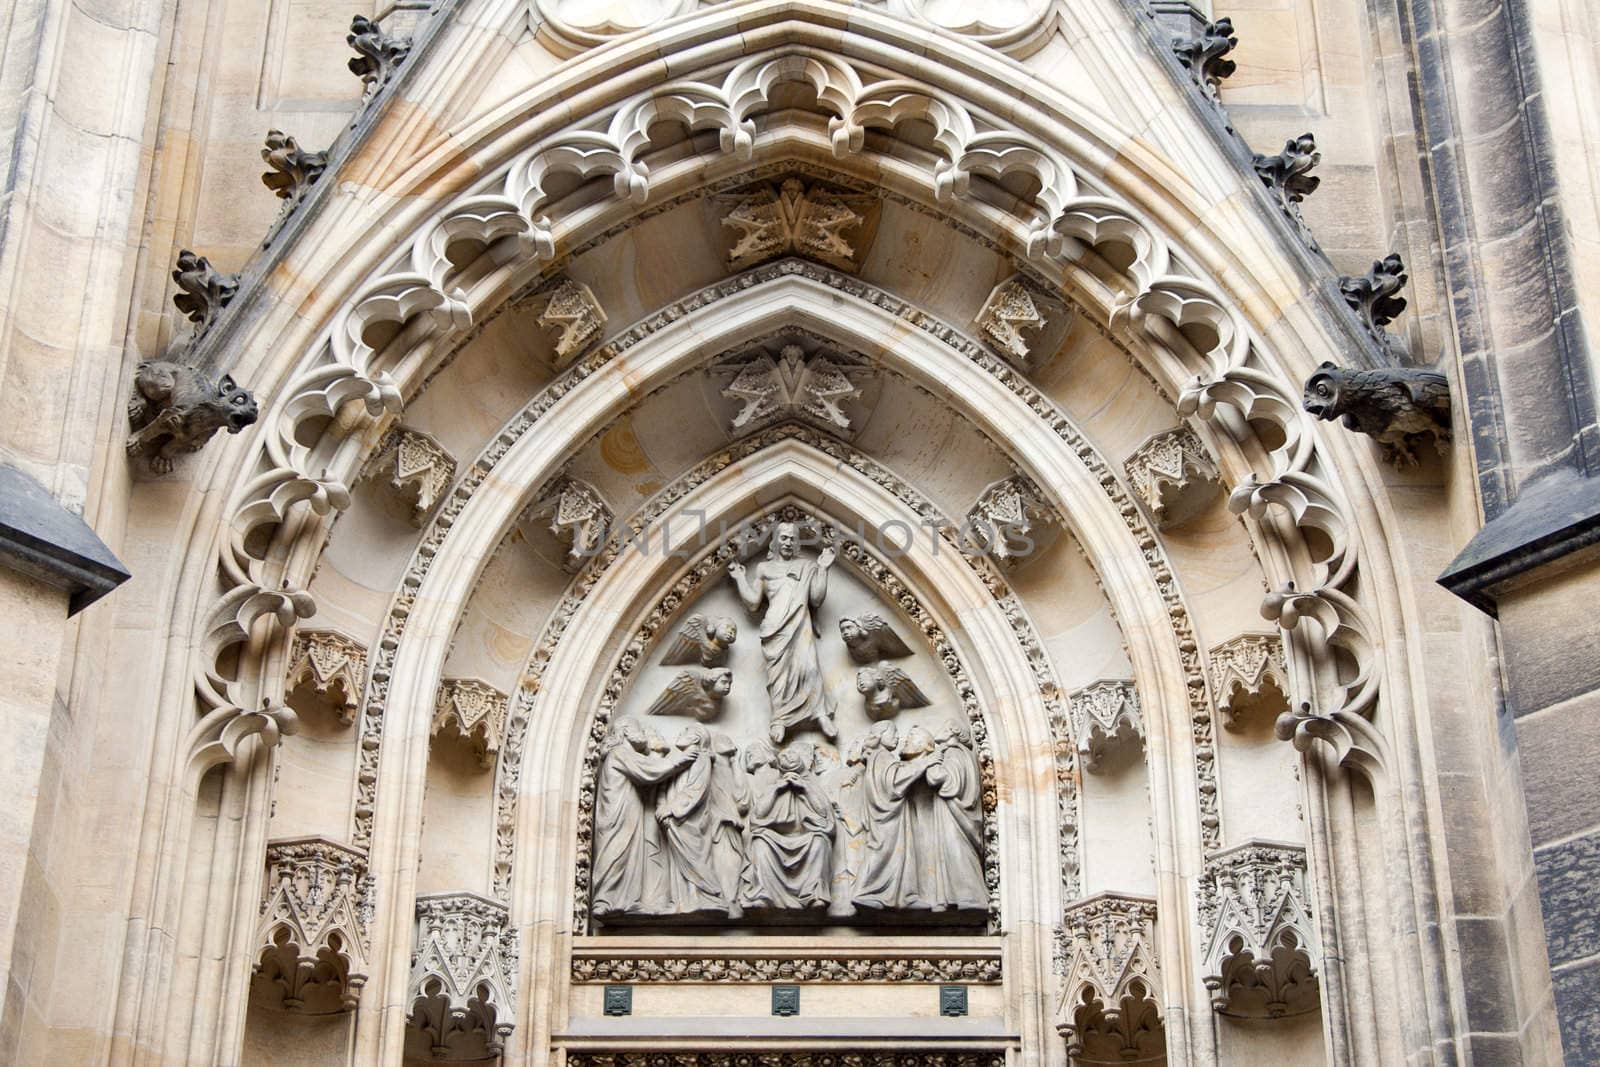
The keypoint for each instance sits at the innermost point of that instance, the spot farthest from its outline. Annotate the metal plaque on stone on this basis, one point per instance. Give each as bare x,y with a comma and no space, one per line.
786,1000
952,1000
619,1000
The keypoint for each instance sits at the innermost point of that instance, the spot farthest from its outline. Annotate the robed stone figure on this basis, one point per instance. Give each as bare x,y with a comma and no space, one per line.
730,805
952,828
791,837
684,810
891,874
627,877
793,589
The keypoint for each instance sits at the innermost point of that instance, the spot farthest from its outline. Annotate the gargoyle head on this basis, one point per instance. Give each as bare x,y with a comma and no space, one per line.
1322,396
239,406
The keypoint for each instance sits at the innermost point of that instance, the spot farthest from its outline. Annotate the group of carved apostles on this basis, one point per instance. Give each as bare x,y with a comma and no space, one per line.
705,827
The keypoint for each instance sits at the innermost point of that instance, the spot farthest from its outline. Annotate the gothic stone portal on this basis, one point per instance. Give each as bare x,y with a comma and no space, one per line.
790,754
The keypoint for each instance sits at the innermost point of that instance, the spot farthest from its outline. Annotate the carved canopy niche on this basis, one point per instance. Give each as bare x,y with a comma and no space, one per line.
797,746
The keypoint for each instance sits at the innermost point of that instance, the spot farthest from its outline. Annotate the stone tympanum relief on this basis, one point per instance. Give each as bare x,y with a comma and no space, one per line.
827,772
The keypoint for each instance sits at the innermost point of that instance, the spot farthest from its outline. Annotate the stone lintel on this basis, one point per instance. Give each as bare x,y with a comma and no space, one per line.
43,540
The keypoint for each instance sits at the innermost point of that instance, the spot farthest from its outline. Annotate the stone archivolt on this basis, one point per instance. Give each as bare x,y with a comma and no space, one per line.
462,994
1249,672
1173,476
1261,950
312,937
1109,1008
331,663
417,468
475,712
1105,717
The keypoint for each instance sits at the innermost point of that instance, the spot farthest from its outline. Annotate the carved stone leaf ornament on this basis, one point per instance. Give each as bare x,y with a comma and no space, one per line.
577,319
772,966
1261,943
331,663
812,386
1109,1008
462,992
378,55
293,169
1174,476
1288,175
312,939
202,291
474,711
1203,55
1375,298
794,219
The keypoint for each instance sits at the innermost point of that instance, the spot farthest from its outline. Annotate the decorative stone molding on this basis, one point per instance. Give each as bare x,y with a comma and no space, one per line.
1288,175
577,317
1022,323
312,940
1109,1009
1173,475
418,469
294,170
767,965
1249,672
579,517
330,663
462,993
811,386
175,410
794,218
1105,716
203,291
1260,958
1399,407
378,55
1203,55
867,1057
1003,518
474,711
1374,297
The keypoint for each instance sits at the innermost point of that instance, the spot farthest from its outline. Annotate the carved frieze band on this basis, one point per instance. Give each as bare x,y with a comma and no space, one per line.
880,1057
334,665
1173,476
462,993
1109,1008
312,939
775,966
473,711
1247,672
1105,718
1261,954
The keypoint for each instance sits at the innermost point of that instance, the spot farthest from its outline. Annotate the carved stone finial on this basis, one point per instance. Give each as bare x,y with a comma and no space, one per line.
462,994
379,55
331,663
1288,174
417,468
578,318
175,410
1173,476
1398,407
1003,518
312,940
1261,950
794,384
579,517
794,218
1105,716
1374,297
294,170
474,711
1249,673
1203,54
204,291
1109,1008
1022,323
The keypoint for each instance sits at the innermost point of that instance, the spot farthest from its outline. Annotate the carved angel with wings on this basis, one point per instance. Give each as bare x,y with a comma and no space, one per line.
870,639
702,640
887,690
695,694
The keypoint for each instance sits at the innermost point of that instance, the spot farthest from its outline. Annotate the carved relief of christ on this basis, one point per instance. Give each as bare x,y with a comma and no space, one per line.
793,588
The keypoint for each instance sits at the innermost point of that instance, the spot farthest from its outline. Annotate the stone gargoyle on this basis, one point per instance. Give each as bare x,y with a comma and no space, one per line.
1396,406
175,409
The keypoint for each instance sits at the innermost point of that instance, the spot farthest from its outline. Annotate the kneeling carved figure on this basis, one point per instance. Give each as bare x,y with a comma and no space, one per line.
174,409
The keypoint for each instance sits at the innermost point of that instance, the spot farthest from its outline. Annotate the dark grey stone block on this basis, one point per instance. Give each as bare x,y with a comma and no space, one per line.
42,539
1578,1008
1568,875
1550,745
